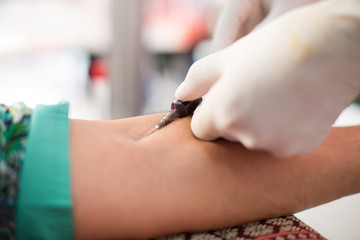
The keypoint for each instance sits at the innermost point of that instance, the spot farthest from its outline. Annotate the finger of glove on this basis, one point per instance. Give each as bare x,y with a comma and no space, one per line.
202,122
210,118
279,7
200,77
237,19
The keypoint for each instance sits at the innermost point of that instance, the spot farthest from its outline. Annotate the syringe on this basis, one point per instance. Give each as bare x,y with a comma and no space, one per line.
179,109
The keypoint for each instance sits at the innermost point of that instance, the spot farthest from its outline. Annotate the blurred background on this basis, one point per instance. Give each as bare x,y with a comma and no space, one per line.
109,59
121,58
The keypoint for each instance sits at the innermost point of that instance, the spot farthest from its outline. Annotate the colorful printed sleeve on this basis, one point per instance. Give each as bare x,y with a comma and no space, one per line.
14,129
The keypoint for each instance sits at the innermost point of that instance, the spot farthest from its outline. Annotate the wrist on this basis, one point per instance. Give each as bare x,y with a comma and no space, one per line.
343,148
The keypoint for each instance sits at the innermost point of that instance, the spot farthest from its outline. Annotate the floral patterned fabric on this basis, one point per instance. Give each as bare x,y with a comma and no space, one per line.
282,228
14,129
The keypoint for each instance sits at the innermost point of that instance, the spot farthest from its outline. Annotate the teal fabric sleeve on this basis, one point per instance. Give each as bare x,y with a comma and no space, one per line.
45,204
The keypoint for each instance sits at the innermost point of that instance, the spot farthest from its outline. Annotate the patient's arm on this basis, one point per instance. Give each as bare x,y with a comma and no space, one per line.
172,182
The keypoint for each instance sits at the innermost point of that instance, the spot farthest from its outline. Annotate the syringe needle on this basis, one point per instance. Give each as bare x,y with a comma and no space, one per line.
169,117
150,132
179,109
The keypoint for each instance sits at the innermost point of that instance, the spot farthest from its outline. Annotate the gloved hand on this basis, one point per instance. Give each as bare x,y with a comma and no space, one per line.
240,17
281,87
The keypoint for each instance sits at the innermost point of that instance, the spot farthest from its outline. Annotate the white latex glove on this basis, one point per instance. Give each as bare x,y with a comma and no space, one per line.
281,87
240,17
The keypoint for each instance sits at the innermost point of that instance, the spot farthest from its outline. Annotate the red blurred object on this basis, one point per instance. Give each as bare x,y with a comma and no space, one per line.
173,25
98,70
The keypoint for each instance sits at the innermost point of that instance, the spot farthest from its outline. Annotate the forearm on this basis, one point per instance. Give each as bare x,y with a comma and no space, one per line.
172,182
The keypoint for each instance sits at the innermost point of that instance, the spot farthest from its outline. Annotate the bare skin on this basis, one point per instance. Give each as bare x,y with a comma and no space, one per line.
172,182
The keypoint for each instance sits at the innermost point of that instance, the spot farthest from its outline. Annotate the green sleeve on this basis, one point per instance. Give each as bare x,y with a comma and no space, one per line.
45,204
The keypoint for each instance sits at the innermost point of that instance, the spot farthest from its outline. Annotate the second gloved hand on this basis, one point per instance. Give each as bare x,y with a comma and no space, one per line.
281,87
240,17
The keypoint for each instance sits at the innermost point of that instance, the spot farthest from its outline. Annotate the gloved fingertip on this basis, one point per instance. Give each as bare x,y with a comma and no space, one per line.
248,142
200,77
202,133
201,127
180,92
188,90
